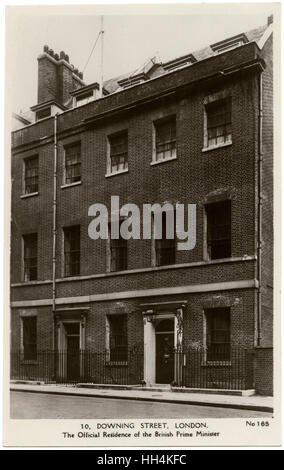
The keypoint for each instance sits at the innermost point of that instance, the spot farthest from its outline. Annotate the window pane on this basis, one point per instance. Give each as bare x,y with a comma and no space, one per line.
118,152
118,337
30,338
165,139
219,122
118,249
73,163
218,334
72,250
31,175
30,257
165,248
219,229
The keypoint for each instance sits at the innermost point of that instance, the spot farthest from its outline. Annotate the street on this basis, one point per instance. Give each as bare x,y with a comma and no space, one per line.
30,405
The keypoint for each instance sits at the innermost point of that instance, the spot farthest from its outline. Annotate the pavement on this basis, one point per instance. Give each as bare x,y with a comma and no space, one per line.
254,402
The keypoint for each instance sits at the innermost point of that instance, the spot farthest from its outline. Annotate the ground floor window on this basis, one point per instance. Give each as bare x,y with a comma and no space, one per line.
118,337
218,334
29,329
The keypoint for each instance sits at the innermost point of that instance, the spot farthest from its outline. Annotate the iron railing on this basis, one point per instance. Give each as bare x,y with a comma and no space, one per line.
193,368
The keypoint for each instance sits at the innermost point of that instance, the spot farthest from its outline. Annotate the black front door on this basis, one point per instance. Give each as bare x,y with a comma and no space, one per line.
165,352
73,350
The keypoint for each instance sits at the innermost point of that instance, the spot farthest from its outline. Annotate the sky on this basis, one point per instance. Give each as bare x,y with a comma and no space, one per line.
129,39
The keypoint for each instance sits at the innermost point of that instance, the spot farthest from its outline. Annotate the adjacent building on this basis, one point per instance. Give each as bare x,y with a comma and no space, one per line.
194,130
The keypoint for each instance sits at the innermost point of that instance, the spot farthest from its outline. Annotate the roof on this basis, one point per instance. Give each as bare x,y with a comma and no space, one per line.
115,84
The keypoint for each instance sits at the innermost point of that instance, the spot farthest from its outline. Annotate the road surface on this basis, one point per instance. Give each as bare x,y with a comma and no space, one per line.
31,405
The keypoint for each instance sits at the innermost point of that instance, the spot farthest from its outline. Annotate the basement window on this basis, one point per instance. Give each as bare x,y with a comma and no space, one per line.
165,139
218,334
218,123
219,230
72,251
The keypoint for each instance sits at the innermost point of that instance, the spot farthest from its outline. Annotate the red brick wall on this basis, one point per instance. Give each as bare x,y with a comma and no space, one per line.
189,179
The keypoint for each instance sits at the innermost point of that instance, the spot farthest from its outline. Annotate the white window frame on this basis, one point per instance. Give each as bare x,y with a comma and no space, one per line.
108,169
154,136
208,100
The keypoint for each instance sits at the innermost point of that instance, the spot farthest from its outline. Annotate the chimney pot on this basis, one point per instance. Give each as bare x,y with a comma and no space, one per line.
80,74
67,58
62,54
45,48
51,52
76,71
269,20
56,56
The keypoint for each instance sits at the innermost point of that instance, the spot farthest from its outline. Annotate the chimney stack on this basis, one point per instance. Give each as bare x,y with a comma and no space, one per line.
56,77
270,20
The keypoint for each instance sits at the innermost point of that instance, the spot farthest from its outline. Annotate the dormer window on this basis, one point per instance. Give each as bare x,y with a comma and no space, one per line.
44,113
85,95
84,99
228,44
47,109
179,63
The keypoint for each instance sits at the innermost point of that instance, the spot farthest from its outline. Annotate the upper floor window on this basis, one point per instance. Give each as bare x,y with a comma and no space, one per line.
219,123
72,251
219,229
31,175
165,139
29,338
30,257
118,153
165,247
118,254
118,337
73,163
218,334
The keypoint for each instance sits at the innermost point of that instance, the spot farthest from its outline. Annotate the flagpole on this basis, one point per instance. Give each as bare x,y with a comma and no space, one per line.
102,56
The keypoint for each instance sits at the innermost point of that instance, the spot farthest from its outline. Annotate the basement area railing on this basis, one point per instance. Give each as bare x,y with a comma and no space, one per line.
231,369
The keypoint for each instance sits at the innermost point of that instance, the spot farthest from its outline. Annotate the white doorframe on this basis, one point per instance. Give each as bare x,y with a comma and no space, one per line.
150,340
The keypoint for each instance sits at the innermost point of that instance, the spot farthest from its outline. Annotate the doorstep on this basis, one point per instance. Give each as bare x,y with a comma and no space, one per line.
168,388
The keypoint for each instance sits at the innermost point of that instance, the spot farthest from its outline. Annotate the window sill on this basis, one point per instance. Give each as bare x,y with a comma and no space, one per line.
214,147
108,175
163,161
24,196
69,185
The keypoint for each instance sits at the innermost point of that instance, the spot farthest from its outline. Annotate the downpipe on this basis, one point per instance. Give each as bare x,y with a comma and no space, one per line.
259,215
54,231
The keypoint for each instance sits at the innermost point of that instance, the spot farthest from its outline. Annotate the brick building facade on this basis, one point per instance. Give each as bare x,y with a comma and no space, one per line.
196,130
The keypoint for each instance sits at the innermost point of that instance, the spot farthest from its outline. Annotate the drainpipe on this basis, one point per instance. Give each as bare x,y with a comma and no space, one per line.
54,229
259,215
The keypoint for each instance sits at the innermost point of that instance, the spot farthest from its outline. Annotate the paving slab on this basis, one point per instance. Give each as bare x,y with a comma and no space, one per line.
255,402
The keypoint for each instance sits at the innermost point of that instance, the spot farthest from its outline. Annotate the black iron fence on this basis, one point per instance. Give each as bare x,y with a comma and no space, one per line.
227,369
193,368
74,366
